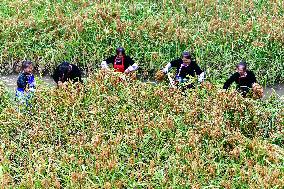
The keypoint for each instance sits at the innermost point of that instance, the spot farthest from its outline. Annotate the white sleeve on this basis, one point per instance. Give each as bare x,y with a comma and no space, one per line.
167,68
32,86
104,64
201,77
133,67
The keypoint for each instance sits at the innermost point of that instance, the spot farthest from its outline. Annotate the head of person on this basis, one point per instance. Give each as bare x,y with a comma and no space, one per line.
186,57
64,70
241,68
27,67
120,52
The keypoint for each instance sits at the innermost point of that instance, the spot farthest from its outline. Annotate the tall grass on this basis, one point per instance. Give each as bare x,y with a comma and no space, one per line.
84,32
114,134
134,135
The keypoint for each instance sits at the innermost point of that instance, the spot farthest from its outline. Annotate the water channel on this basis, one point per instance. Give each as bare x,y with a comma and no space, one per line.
11,83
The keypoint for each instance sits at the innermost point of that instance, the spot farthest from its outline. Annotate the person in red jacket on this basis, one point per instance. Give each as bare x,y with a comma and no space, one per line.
121,62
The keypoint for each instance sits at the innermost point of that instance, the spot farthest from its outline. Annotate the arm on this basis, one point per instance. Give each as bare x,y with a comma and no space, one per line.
173,63
201,77
22,81
229,81
107,61
78,77
55,75
104,64
132,66
253,78
167,68
32,83
199,72
76,74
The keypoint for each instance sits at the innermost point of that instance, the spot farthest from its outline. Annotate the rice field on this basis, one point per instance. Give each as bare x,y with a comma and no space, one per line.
108,133
135,135
218,33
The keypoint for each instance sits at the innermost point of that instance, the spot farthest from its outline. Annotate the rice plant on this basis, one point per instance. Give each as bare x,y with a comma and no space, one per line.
220,34
114,134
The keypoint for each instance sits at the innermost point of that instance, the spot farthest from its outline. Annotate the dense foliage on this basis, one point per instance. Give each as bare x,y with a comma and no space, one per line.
114,134
220,33
130,134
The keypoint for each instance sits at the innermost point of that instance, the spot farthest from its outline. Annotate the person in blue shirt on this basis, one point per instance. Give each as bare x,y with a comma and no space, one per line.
26,83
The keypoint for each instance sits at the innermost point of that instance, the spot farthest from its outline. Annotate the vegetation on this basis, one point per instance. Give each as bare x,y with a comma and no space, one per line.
84,32
113,133
130,134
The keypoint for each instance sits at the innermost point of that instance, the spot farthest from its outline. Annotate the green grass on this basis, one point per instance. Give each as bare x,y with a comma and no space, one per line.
219,33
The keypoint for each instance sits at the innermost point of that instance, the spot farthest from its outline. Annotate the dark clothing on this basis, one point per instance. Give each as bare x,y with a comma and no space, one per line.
246,81
74,75
127,61
25,88
244,84
25,81
184,71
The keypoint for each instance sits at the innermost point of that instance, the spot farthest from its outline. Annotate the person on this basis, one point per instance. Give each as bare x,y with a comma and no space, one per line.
25,83
185,66
245,80
65,72
121,62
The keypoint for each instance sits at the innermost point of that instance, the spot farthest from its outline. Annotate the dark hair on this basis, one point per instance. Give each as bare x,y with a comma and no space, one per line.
186,54
242,63
64,68
26,64
120,49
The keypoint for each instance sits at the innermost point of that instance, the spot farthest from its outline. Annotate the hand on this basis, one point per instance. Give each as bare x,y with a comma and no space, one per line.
105,70
127,71
59,83
159,76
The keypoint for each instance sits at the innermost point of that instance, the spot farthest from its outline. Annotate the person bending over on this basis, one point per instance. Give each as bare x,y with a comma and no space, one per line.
67,72
245,80
121,62
186,67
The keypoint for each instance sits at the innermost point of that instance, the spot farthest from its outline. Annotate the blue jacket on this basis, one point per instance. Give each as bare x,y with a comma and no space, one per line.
25,81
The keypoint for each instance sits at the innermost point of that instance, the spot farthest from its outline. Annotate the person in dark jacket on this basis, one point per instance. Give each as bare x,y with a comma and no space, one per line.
121,62
25,83
185,66
244,78
67,72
